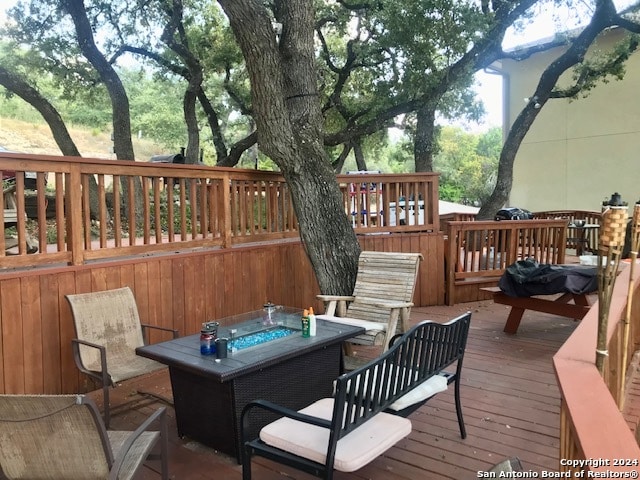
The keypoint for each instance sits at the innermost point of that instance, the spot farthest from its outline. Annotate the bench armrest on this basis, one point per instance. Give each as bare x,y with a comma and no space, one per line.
280,410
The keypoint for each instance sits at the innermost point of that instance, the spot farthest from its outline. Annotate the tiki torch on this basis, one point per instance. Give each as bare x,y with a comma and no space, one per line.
633,255
610,244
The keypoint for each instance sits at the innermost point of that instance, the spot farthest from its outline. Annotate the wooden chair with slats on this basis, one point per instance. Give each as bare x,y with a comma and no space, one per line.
382,298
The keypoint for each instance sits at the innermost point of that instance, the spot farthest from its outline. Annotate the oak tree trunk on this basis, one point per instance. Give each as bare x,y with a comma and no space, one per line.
424,138
289,123
61,135
122,143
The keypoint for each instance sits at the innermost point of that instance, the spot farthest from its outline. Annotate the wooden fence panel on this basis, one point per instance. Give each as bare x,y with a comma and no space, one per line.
183,207
590,217
179,291
12,339
32,331
70,378
52,316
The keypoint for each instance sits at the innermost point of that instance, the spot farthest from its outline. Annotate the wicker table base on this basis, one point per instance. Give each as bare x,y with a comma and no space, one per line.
209,411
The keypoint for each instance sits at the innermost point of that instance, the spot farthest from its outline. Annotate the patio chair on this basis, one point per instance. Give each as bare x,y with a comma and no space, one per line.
108,331
62,437
382,295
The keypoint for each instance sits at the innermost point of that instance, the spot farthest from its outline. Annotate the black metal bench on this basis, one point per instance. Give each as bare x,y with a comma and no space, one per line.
369,408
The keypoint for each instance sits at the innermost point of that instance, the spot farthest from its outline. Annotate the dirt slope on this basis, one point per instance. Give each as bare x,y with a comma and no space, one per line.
26,137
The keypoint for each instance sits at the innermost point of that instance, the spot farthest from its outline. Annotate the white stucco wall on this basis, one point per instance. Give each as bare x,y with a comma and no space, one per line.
577,152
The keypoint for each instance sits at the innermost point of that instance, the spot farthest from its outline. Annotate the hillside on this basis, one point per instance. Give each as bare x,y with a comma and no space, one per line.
26,137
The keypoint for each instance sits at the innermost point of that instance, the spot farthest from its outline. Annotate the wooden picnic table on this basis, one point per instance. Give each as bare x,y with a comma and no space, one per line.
555,305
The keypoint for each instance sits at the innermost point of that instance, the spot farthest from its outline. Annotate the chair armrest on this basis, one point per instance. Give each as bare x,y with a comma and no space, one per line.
283,411
159,414
392,305
103,375
75,344
335,298
334,302
146,326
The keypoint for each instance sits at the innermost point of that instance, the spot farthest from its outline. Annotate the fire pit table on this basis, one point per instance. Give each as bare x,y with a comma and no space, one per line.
272,362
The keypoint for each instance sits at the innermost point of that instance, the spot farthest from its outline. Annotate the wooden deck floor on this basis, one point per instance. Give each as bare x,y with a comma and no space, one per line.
509,396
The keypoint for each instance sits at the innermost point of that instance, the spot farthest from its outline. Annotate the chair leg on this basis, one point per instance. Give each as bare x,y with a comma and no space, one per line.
463,431
391,328
404,320
107,406
246,463
347,348
164,447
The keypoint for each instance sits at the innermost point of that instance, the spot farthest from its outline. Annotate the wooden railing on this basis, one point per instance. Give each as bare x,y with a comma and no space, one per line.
477,253
183,207
456,217
591,217
387,202
592,426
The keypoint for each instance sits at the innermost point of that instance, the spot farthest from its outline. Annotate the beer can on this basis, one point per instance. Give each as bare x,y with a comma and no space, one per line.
221,347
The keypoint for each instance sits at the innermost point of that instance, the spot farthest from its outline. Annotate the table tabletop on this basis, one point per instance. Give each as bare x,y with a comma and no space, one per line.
184,352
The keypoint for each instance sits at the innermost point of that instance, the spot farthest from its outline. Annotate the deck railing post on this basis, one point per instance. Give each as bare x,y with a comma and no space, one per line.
226,203
452,253
73,194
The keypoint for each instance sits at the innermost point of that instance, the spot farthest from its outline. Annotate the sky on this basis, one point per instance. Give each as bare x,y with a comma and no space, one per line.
489,90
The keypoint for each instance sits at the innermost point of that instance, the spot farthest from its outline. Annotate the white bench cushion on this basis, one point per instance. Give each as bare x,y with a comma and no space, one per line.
426,389
353,451
367,325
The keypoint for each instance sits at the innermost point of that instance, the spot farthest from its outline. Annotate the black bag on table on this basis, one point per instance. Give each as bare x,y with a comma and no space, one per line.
525,278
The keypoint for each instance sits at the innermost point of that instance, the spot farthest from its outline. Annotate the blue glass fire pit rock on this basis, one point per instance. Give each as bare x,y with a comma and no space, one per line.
253,339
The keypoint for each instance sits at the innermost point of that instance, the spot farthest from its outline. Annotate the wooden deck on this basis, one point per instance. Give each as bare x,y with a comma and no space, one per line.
510,400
